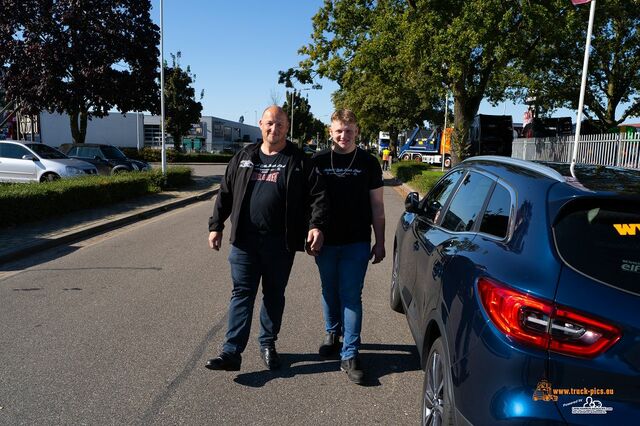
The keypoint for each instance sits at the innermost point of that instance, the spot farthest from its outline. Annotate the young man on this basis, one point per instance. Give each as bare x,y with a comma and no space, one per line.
275,204
354,187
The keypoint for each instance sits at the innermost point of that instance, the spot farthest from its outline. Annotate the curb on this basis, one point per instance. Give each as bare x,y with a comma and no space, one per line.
96,229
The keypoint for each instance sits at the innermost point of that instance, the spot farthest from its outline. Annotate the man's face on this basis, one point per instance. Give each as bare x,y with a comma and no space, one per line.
344,135
274,126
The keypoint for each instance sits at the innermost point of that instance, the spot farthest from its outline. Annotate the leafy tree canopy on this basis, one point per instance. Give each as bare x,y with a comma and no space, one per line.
82,58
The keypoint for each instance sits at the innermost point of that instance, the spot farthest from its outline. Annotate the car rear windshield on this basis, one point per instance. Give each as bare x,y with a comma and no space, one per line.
112,152
601,239
45,151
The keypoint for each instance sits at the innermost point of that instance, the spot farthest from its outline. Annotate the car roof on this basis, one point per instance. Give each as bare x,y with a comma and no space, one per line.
588,178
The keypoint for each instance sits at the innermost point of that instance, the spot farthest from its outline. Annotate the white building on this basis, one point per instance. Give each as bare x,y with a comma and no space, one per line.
137,130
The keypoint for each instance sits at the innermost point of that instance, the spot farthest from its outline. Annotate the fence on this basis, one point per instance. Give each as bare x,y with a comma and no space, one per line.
613,149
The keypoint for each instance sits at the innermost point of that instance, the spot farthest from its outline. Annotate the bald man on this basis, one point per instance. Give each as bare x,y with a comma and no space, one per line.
276,205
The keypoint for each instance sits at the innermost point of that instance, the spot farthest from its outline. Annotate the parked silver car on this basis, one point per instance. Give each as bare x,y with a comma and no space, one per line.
36,162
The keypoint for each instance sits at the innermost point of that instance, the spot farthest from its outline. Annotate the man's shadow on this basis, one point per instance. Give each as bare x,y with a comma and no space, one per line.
377,361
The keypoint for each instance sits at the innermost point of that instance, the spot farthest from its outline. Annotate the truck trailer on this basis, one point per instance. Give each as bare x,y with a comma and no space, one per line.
491,135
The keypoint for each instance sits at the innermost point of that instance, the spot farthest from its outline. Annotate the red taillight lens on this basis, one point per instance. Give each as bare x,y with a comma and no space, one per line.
542,324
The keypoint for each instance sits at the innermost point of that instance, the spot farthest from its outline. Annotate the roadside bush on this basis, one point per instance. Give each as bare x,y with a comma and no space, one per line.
425,181
405,170
154,156
177,176
25,202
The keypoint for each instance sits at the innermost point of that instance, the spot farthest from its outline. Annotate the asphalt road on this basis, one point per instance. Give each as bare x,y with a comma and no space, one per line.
116,330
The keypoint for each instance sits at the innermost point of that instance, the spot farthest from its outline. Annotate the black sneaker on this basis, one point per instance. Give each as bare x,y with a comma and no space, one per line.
351,366
225,361
330,347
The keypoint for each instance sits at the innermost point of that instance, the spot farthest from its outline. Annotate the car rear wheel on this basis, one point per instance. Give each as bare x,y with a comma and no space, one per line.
437,390
394,298
447,162
417,158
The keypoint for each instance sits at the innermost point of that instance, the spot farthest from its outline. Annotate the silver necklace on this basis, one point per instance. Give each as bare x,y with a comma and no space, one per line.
355,151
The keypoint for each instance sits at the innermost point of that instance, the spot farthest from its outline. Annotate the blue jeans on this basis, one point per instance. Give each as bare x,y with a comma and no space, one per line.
265,257
342,270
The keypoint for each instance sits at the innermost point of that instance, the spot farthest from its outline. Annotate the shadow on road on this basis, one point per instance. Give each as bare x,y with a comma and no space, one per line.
378,360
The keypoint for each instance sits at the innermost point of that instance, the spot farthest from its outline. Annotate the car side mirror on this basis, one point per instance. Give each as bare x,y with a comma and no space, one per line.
411,202
29,157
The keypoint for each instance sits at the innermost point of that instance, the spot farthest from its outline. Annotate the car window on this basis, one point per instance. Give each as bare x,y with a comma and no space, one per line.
601,239
88,152
495,220
73,152
431,205
467,202
9,150
112,152
45,151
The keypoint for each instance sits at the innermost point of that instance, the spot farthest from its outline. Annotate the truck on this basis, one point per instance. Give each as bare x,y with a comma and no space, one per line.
491,135
548,127
383,141
428,146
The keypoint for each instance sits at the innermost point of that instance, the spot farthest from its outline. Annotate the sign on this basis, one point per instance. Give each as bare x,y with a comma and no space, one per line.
579,2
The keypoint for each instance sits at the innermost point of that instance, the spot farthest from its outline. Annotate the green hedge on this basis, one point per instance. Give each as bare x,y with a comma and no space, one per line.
405,171
26,202
154,156
418,176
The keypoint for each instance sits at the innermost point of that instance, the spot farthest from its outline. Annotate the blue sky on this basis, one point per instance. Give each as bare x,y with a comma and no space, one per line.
236,49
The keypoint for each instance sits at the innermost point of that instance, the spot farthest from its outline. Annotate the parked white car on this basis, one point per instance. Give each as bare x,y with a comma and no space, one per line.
36,162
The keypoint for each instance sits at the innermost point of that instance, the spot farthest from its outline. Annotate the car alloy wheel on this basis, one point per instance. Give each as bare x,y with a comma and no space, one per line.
437,402
394,298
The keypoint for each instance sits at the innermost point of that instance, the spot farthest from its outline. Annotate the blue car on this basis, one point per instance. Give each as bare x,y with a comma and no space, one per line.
521,287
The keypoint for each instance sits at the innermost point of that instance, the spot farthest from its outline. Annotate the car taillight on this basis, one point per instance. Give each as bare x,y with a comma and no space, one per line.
543,324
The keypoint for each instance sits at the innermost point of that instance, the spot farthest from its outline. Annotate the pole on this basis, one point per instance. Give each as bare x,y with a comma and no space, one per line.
444,131
164,148
292,97
583,86
138,130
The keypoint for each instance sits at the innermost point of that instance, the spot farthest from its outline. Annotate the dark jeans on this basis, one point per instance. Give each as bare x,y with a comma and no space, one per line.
342,271
264,257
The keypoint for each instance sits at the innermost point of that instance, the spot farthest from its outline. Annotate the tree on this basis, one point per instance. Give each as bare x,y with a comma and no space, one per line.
182,109
82,58
614,63
303,120
418,51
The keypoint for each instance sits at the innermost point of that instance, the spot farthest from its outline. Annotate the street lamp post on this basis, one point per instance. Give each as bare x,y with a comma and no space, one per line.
164,150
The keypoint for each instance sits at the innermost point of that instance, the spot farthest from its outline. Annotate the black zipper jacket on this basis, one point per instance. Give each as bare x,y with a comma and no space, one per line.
306,201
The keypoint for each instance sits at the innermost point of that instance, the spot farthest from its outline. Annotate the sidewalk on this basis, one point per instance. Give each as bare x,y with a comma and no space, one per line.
23,240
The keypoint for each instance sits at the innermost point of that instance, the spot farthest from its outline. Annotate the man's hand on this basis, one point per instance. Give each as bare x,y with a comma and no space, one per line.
377,253
215,240
314,242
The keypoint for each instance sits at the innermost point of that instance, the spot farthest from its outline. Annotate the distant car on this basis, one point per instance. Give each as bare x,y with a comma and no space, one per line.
521,287
107,158
29,162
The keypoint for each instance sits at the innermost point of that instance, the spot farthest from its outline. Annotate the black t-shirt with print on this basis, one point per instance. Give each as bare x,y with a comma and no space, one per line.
349,178
263,206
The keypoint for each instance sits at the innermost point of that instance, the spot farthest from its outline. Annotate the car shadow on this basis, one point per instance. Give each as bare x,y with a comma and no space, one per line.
378,360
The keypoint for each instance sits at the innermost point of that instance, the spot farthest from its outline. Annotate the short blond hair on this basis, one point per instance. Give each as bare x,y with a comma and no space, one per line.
345,116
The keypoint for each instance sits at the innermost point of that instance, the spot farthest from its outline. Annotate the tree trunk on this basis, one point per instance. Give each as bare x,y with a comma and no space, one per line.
78,125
